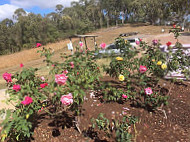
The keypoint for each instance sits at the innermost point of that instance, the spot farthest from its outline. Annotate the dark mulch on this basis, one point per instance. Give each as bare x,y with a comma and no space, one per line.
152,126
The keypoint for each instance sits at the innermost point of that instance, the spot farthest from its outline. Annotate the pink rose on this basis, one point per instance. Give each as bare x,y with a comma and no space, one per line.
61,79
16,88
43,85
142,69
38,44
67,99
137,42
148,91
7,77
65,71
72,65
42,78
124,96
27,101
103,45
81,44
154,42
21,65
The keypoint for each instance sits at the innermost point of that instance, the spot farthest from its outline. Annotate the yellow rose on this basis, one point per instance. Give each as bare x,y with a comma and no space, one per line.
159,63
126,41
27,116
119,58
121,77
164,66
4,135
153,60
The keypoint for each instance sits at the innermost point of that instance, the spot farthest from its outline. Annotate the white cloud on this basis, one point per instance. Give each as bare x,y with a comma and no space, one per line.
41,3
7,11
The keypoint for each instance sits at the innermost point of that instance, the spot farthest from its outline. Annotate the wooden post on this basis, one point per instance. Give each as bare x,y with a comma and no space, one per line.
85,43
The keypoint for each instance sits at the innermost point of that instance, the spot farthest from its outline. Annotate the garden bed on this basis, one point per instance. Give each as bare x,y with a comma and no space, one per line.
152,126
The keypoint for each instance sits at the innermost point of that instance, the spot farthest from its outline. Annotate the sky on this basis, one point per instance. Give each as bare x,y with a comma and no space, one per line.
7,7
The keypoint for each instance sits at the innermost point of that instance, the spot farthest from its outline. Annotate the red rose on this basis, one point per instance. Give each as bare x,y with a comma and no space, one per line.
168,43
43,85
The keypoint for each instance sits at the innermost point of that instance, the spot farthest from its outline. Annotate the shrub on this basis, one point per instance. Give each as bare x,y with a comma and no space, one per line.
64,89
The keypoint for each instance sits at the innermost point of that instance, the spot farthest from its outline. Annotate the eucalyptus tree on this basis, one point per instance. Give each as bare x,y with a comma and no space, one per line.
92,11
106,10
18,13
59,8
181,9
52,16
7,22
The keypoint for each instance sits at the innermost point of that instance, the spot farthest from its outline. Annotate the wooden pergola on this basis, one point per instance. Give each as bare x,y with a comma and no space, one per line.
84,37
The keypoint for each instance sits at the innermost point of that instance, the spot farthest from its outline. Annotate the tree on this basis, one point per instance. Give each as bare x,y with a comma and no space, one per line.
7,22
180,9
59,8
18,13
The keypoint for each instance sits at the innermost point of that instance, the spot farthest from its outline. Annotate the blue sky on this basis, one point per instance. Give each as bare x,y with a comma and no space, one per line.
7,7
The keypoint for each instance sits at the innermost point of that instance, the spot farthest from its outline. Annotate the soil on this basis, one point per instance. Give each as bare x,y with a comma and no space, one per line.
171,126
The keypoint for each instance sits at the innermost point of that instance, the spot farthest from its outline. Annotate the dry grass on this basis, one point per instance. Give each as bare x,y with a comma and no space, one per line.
104,35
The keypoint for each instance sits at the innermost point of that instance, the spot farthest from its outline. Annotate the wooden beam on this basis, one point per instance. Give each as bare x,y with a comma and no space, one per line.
85,43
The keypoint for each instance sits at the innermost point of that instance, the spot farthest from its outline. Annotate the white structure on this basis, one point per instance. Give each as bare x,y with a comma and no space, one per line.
178,73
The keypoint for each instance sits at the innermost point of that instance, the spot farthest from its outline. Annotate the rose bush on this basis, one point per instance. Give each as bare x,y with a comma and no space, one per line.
147,70
31,93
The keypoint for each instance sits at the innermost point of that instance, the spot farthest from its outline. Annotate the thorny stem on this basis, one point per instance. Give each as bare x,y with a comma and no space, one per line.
170,89
49,112
163,112
135,139
162,104
77,121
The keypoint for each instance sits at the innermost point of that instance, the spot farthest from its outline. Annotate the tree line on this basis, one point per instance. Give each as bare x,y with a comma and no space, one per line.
86,15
